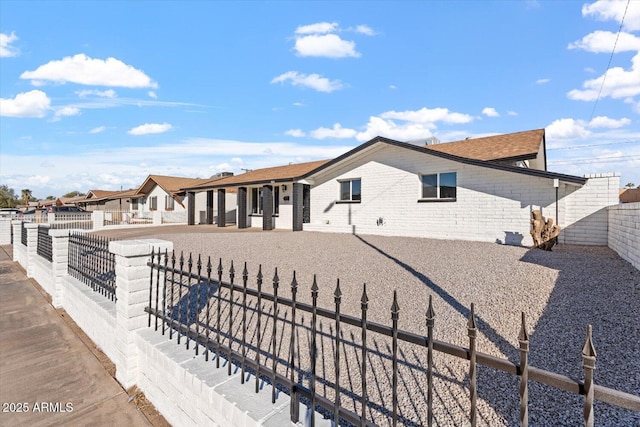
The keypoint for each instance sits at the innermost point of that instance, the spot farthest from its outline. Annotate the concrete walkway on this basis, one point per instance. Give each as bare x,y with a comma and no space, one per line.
46,370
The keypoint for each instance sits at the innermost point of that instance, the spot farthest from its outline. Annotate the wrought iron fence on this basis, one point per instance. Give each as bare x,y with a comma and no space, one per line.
91,262
80,221
45,243
117,217
277,340
23,233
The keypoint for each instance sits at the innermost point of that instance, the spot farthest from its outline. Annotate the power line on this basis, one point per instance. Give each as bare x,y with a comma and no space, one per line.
598,160
604,78
573,147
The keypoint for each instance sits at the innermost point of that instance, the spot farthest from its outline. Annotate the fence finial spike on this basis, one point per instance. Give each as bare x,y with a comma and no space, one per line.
276,279
430,313
220,266
523,335
245,272
471,324
294,282
199,263
338,292
395,308
232,270
259,276
314,286
209,265
365,299
588,350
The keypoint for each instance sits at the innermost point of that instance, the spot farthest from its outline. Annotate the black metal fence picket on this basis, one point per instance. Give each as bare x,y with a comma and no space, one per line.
91,262
265,335
23,233
45,241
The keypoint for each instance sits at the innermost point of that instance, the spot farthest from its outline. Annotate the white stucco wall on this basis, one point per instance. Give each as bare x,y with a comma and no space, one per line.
159,192
491,205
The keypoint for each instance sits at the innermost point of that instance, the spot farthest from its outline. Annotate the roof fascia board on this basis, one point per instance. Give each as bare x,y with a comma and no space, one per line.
486,164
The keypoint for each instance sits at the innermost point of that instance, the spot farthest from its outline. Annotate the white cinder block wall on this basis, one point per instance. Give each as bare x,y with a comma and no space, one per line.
585,209
491,205
624,231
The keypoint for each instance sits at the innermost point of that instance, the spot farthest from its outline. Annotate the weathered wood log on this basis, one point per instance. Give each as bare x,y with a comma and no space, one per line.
543,232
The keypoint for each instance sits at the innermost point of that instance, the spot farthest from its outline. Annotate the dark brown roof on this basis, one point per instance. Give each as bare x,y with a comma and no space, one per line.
516,146
99,195
265,175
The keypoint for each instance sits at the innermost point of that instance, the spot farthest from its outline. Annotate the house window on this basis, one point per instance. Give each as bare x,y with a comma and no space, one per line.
153,203
134,204
256,200
350,190
168,203
439,186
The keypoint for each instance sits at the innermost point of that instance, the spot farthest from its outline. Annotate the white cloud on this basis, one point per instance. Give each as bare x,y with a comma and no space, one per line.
569,129
99,129
337,131
606,122
6,50
393,87
84,70
153,95
109,93
428,116
67,111
318,28
619,83
296,133
325,45
313,81
512,113
614,10
366,30
34,103
149,128
542,81
490,112
377,126
603,42
298,104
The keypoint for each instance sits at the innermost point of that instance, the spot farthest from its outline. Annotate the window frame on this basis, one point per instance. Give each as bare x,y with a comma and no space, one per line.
153,203
438,187
256,201
351,194
169,203
134,203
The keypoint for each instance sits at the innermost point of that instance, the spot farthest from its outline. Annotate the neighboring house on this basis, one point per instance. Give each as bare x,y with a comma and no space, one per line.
104,200
260,191
481,189
166,194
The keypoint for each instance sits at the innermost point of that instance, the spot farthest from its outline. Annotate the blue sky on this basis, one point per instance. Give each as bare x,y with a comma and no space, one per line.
97,95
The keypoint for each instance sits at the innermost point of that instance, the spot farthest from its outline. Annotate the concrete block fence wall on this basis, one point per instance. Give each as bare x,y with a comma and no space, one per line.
624,231
184,387
6,231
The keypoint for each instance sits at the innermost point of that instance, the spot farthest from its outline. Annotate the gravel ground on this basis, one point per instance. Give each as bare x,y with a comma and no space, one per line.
560,292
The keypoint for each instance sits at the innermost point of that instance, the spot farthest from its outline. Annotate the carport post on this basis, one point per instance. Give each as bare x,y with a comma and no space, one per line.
191,208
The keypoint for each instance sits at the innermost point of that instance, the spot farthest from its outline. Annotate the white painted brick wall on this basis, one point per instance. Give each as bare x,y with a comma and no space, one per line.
491,205
624,231
5,231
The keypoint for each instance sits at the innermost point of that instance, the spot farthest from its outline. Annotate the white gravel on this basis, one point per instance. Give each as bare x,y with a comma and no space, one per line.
560,292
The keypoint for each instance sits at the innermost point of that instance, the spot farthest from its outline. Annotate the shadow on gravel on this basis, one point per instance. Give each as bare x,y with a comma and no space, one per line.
594,286
488,380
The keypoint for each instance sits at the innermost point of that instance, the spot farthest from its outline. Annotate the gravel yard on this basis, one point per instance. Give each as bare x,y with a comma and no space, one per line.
560,292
